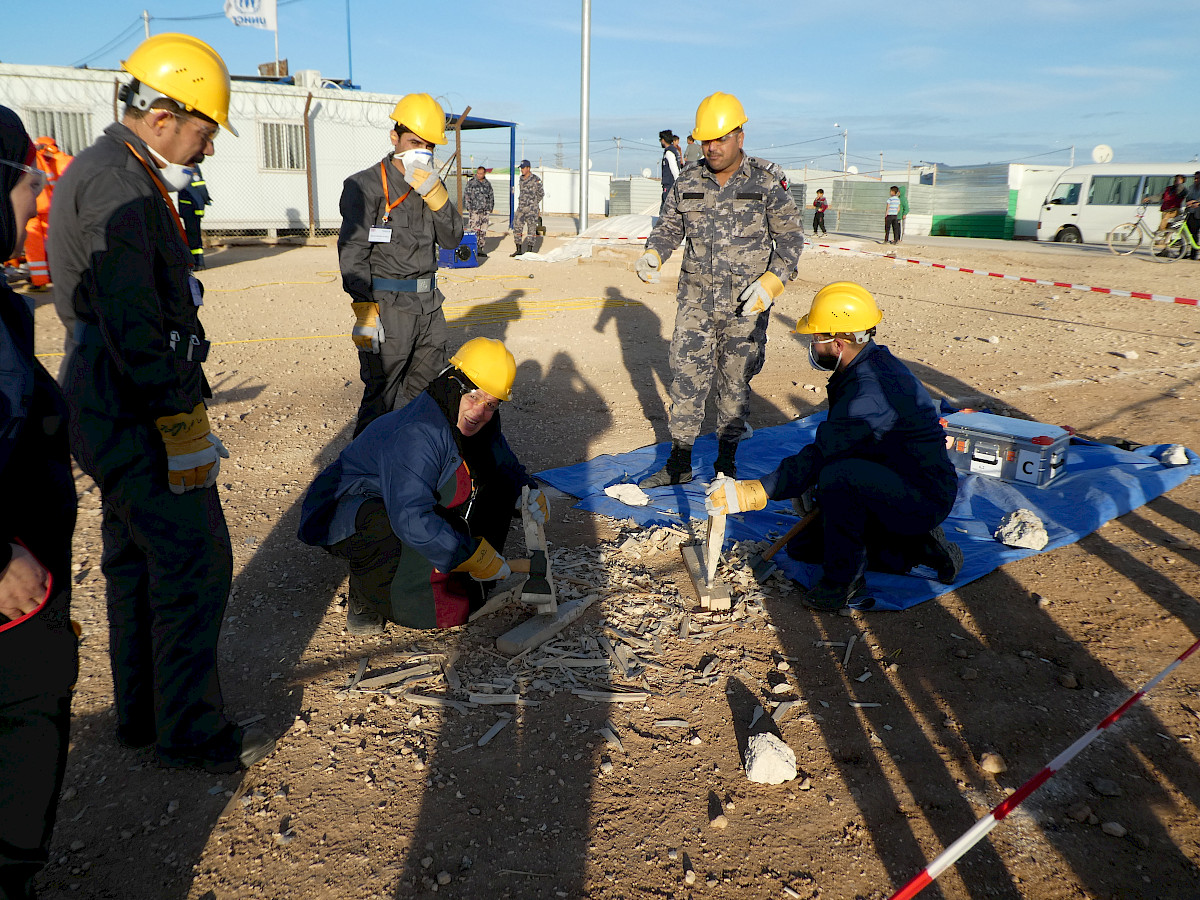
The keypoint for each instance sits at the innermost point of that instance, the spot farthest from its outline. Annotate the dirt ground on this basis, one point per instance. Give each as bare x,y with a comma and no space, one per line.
370,795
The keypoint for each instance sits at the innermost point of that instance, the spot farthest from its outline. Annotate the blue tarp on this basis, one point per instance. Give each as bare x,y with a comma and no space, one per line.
1101,483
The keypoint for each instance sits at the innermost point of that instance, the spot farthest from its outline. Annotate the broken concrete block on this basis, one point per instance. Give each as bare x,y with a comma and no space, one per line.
1022,528
629,494
769,760
1174,455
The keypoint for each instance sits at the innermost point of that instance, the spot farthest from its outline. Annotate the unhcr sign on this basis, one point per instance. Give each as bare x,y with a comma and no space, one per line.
252,13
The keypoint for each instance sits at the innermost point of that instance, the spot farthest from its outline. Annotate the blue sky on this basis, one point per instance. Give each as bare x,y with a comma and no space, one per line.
955,81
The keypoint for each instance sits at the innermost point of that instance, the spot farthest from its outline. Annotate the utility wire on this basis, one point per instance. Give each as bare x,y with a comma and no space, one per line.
125,35
216,15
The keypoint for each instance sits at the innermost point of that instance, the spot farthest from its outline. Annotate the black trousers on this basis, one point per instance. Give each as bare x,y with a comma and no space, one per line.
891,226
819,222
870,518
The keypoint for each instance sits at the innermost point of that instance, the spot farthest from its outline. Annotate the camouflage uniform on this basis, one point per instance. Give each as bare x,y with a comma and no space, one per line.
733,235
525,222
478,202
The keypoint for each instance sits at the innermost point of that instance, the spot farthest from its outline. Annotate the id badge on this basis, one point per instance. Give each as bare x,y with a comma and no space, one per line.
379,235
197,290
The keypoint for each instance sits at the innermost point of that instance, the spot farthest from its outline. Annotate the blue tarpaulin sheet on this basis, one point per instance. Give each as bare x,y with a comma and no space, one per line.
1101,483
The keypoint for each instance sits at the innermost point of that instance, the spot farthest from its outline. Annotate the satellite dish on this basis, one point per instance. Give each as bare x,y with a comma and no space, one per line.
646,173
853,170
1102,153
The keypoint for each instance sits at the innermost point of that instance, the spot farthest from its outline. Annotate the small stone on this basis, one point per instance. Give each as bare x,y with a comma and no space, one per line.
1067,680
783,665
172,807
711,881
76,846
1174,455
1142,841
961,653
1080,813
444,877
769,760
719,822
672,853
993,762
1127,354
783,687
1116,829
426,862
606,767
696,741
689,877
1106,787
1022,528
968,674
806,784
993,339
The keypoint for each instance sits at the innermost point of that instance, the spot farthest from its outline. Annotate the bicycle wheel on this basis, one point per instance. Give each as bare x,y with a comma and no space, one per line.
1124,239
1167,247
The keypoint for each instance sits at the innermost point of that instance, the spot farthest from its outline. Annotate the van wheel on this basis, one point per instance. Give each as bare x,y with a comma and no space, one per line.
1070,235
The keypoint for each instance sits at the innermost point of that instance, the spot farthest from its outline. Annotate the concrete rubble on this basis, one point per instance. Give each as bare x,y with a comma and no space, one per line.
769,760
1022,528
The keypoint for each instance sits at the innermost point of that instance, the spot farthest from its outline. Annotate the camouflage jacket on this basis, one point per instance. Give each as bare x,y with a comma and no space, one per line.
478,196
748,227
531,192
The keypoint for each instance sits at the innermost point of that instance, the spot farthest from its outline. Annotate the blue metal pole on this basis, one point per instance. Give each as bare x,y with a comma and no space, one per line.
512,175
349,52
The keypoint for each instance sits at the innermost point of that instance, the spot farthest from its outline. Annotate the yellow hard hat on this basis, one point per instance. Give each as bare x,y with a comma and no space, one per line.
187,70
488,363
841,307
421,115
717,115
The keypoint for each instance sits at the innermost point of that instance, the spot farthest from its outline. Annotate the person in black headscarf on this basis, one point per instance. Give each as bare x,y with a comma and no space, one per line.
38,645
420,502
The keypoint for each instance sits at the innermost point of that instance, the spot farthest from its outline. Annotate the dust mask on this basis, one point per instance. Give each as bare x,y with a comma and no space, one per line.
174,176
416,157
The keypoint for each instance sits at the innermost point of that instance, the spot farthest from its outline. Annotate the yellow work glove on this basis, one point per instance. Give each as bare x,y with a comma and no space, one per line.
426,183
368,333
485,564
194,454
647,266
758,297
726,496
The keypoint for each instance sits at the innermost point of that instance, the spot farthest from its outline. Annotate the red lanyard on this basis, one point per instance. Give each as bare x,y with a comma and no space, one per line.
162,190
386,195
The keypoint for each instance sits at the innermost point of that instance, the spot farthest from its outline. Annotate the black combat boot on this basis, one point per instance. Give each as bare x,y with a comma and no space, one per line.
518,251
829,596
725,464
942,555
678,469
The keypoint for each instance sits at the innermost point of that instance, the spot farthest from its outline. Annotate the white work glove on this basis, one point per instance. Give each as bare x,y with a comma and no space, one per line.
759,296
647,266
726,496
425,182
806,502
368,332
184,471
538,506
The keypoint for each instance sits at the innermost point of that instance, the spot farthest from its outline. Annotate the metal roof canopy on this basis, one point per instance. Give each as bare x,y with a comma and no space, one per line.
477,123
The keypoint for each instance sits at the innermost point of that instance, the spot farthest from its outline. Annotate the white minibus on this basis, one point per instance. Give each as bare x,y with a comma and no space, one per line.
1087,202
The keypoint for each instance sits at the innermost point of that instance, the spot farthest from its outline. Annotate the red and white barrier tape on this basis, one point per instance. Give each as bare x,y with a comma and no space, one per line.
1141,295
951,854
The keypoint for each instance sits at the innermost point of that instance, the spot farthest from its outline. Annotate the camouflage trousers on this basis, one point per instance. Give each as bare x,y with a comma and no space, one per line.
477,221
525,224
712,346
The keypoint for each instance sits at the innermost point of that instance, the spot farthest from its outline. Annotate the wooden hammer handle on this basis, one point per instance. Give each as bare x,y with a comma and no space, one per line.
782,542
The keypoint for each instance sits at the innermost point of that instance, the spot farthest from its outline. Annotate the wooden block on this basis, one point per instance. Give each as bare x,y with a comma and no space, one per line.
714,541
713,596
378,681
540,629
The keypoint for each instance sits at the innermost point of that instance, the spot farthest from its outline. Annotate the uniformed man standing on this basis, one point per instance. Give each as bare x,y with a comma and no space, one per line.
479,201
192,200
136,393
743,238
395,214
528,209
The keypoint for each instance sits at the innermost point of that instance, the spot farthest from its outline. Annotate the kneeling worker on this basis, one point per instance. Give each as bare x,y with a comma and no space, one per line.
420,502
878,468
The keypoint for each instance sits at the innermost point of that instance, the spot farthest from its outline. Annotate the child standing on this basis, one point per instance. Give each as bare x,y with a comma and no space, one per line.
820,204
891,216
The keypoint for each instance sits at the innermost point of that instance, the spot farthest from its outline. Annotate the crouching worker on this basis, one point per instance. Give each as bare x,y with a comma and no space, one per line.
877,470
420,503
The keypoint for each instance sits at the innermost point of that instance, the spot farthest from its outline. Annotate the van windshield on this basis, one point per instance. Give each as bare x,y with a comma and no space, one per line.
1065,193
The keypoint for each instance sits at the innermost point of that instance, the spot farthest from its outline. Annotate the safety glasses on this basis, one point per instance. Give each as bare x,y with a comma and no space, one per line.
39,177
479,398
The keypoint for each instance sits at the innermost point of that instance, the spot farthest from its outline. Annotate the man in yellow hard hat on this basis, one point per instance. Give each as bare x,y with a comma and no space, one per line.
743,239
139,423
395,214
420,503
878,468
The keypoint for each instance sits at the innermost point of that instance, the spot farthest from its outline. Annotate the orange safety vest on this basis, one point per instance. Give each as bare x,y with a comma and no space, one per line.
53,162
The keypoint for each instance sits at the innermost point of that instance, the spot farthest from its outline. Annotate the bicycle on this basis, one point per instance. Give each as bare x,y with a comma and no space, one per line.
1171,245
1126,238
